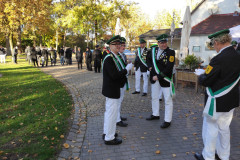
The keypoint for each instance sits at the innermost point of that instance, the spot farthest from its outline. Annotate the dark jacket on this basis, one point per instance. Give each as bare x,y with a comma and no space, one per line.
45,53
33,54
138,63
89,56
165,65
112,78
223,70
97,55
79,56
2,51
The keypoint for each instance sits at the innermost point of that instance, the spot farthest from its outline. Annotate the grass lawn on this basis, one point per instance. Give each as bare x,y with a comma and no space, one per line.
34,112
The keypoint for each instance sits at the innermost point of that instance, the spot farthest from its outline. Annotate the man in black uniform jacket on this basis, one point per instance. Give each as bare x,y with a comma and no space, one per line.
221,79
97,58
160,62
114,78
140,66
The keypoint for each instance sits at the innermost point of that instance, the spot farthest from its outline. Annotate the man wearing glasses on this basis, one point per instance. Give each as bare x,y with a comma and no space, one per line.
160,64
114,78
221,79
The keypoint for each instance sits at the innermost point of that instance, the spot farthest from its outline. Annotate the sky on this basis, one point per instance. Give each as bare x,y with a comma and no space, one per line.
151,7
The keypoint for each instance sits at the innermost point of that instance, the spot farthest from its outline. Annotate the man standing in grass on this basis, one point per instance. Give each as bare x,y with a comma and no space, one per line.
114,78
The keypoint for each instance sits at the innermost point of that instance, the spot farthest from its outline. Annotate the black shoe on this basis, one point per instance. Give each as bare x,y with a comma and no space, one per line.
144,94
217,157
122,124
103,136
165,124
123,118
152,117
198,156
115,141
160,99
135,92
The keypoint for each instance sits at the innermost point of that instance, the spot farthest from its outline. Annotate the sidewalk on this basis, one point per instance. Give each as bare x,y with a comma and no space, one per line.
142,140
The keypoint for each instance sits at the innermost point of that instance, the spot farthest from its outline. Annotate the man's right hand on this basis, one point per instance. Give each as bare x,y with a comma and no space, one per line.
155,78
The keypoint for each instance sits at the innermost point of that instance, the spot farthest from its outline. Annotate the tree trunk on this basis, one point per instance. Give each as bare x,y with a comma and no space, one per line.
19,41
40,41
8,45
64,38
96,29
11,46
56,39
87,38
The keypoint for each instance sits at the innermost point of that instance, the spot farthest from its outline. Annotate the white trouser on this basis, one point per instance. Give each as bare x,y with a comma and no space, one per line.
3,57
138,78
156,88
160,93
122,91
110,118
216,136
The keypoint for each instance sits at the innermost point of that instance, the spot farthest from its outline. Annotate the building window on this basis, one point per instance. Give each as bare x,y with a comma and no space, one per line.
196,49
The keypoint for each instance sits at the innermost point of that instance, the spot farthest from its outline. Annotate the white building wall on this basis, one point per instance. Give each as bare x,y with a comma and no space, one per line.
204,54
224,7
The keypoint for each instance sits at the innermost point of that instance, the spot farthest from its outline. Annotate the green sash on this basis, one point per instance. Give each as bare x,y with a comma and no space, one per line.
210,107
115,61
140,57
123,67
172,89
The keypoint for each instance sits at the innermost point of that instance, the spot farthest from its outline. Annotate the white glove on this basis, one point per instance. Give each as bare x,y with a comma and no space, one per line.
198,72
129,66
134,68
148,73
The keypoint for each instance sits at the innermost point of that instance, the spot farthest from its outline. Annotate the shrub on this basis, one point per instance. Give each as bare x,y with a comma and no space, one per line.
192,61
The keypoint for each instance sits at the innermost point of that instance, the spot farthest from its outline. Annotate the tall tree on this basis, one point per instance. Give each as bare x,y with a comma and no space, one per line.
163,19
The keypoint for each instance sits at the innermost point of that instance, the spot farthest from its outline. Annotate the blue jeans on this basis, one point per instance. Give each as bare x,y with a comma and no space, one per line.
62,60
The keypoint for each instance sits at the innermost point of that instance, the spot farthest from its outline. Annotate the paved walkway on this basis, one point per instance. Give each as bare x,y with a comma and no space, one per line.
142,140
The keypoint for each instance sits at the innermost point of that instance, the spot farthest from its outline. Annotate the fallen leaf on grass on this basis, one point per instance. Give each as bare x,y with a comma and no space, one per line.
62,136
142,137
185,138
157,152
174,155
187,152
1,152
66,145
194,134
89,151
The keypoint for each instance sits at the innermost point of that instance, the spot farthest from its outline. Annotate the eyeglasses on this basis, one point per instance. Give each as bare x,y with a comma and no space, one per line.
162,42
212,43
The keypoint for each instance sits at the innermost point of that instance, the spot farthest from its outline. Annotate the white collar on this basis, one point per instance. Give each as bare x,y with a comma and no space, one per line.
223,49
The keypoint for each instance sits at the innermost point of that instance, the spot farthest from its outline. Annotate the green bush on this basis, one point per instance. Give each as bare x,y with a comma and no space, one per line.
192,61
